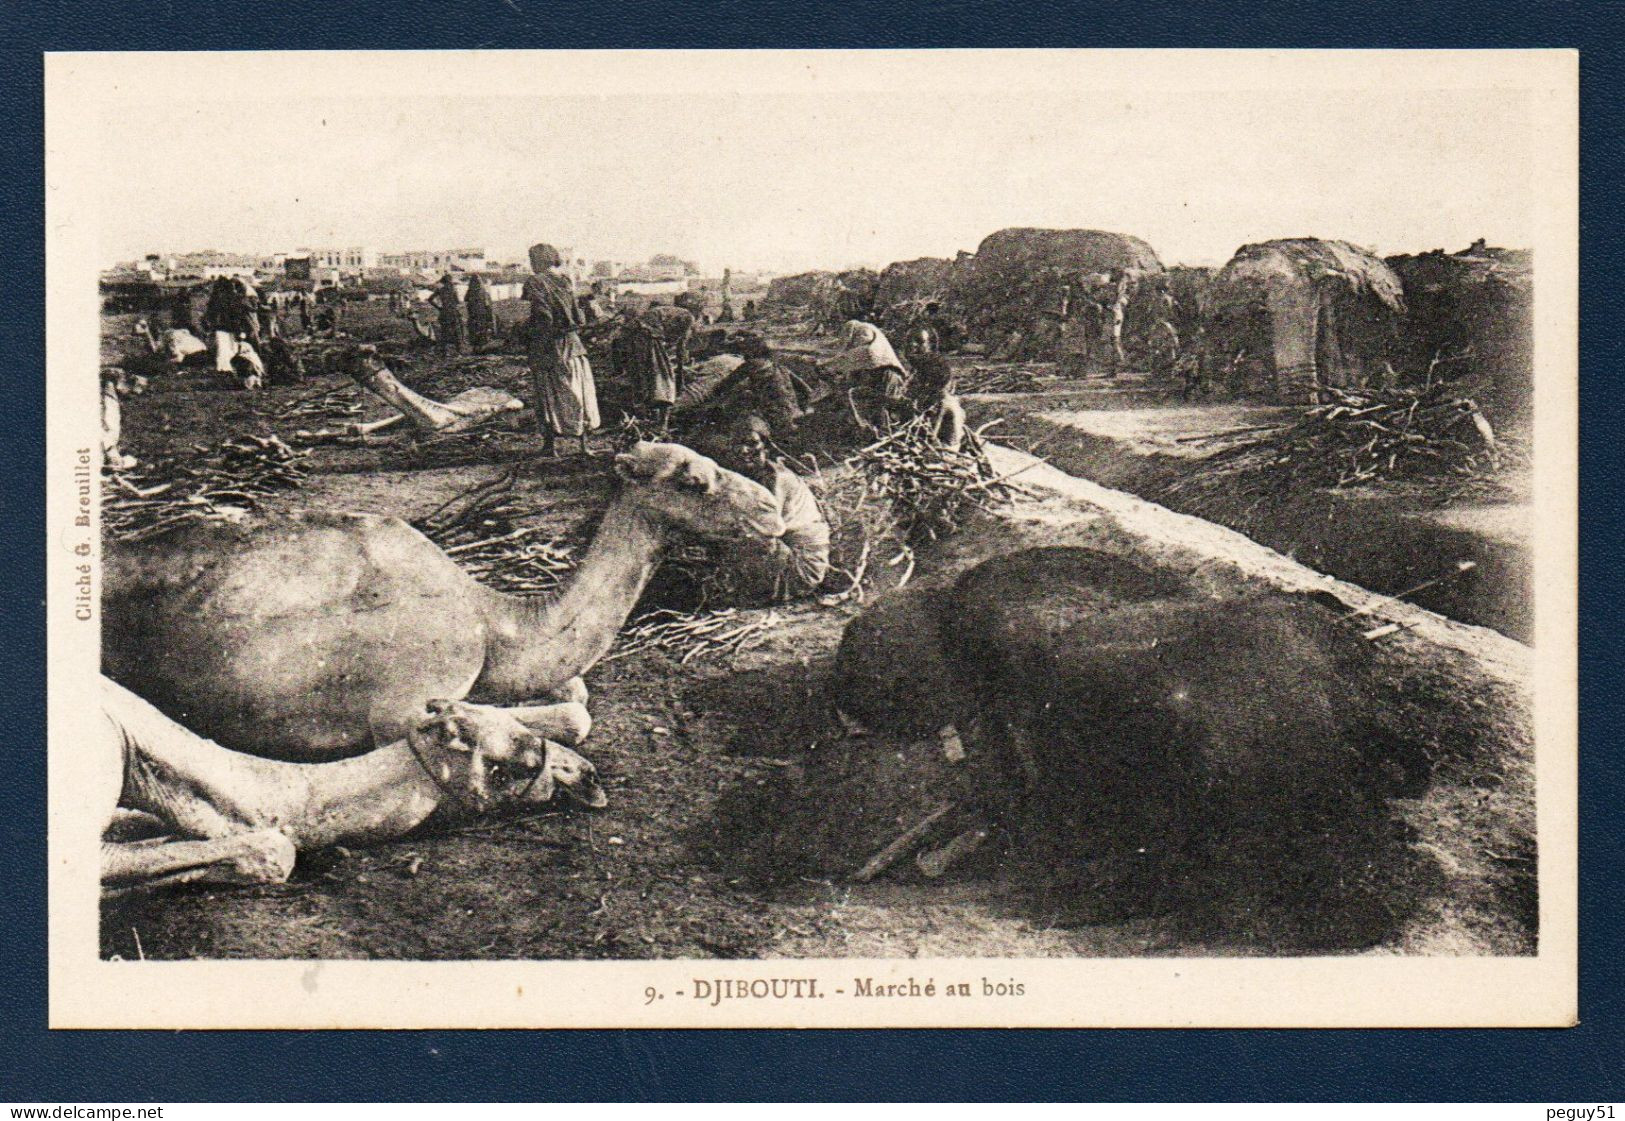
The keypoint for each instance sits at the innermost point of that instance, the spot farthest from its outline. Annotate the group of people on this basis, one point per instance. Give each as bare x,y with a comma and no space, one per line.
758,404
467,320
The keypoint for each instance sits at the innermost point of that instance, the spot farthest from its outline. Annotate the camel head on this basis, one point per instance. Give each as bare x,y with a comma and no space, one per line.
119,382
683,489
485,756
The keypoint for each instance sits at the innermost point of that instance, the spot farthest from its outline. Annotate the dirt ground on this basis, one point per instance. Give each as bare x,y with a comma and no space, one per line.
681,746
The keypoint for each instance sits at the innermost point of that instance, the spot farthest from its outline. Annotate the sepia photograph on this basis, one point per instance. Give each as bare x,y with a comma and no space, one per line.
812,538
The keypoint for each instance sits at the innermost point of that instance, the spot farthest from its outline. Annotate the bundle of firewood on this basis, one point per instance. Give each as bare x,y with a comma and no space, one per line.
1004,378
225,483
687,636
930,489
479,530
334,401
1357,436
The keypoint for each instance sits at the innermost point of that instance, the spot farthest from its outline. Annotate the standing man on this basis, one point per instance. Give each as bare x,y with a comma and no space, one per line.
676,326
641,358
482,314
227,318
182,317
453,333
566,398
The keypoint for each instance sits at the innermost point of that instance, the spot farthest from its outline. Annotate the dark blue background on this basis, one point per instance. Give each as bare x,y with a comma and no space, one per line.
1578,1065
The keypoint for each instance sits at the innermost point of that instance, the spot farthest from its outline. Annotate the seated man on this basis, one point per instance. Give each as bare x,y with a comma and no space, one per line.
932,391
778,569
758,387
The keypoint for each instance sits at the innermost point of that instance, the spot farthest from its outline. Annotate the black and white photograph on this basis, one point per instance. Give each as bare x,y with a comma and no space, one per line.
812,538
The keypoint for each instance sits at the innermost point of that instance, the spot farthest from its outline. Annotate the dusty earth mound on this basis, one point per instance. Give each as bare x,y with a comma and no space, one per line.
1156,750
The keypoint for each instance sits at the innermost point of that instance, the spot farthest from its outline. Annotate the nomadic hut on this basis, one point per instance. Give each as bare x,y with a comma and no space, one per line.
1470,321
1295,315
905,287
798,292
1048,294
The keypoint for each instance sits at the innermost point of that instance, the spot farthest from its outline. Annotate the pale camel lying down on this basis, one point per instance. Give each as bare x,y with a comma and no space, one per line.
468,409
240,819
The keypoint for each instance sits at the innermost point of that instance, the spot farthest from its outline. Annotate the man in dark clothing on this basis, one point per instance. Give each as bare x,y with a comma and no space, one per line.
231,318
482,314
453,332
676,326
691,302
640,358
759,387
182,315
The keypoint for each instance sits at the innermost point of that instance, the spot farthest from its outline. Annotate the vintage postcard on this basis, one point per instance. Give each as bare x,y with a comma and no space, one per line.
812,539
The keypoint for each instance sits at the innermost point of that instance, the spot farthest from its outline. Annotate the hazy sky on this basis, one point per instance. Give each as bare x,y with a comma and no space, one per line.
800,180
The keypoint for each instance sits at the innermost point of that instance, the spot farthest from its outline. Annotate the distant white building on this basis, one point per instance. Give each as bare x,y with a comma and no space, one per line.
348,259
430,260
652,287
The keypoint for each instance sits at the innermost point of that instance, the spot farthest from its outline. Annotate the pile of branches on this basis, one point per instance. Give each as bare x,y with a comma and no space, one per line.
226,483
335,401
687,636
479,530
1005,378
930,490
1357,437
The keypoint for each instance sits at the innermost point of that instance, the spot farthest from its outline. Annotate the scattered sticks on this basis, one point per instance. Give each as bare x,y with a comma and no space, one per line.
224,484
1357,437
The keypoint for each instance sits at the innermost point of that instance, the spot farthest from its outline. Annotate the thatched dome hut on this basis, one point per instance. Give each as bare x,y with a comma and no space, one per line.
801,290
1470,321
1055,293
1295,315
905,287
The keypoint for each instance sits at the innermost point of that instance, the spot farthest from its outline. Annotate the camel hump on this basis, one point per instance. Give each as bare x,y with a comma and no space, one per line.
273,566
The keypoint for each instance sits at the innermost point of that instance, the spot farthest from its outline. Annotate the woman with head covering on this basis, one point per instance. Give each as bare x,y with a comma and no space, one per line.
566,398
482,314
877,380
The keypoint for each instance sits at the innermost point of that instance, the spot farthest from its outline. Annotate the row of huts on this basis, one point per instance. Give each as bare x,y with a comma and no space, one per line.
1282,319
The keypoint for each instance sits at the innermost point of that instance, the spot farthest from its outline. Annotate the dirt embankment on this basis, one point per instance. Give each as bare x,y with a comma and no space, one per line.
1389,539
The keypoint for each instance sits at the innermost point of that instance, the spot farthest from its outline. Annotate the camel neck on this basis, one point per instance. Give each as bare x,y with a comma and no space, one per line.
208,791
538,644
422,412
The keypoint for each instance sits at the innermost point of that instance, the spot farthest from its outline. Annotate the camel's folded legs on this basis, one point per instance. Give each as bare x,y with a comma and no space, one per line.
568,723
367,427
262,857
573,690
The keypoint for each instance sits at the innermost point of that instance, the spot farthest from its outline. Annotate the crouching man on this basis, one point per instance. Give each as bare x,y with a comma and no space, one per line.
782,568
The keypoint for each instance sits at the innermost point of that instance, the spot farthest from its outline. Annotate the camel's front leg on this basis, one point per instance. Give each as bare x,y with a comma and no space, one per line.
573,690
567,723
262,857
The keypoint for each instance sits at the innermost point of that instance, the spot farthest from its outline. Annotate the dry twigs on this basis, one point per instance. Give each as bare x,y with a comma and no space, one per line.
1005,378
1357,437
225,484
687,637
477,530
931,489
